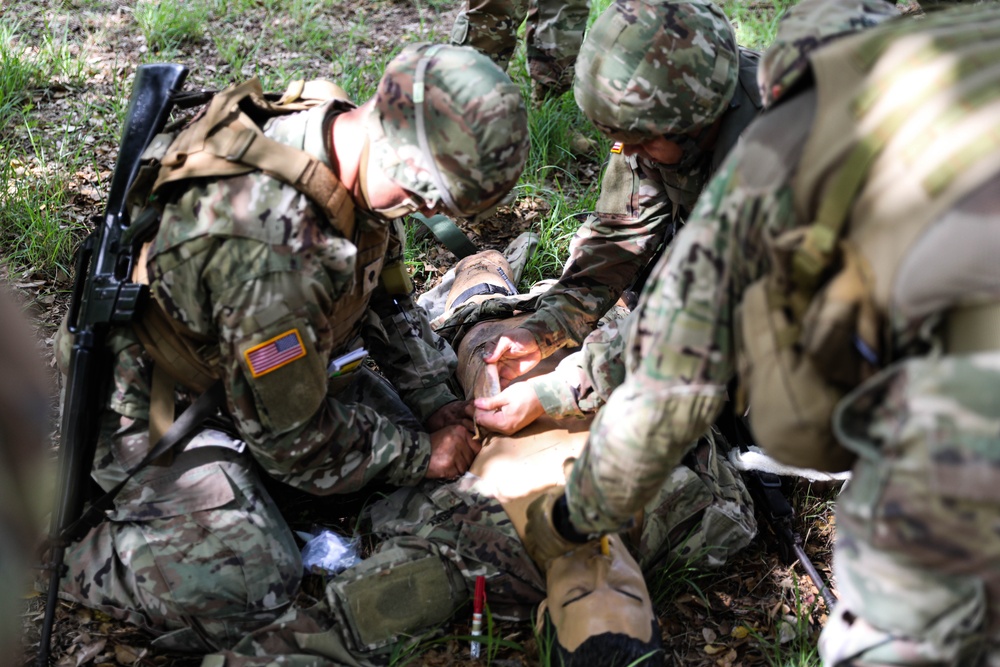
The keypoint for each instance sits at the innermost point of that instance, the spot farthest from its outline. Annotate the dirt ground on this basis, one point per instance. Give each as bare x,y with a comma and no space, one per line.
753,611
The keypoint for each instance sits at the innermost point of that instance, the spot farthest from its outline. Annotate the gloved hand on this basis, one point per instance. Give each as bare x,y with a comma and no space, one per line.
543,538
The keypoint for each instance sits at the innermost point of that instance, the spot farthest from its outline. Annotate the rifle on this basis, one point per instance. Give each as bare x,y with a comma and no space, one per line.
765,489
103,296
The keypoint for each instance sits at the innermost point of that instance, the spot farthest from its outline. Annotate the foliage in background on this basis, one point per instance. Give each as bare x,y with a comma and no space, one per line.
755,27
169,24
33,234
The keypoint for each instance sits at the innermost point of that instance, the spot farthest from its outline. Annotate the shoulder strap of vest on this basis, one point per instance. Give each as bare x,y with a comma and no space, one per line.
204,407
226,141
956,56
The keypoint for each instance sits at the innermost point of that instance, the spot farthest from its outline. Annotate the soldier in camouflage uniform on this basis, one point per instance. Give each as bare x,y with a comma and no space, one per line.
195,550
666,80
24,431
553,37
917,558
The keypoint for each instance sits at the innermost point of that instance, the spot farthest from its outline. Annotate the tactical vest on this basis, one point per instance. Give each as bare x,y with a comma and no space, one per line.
907,123
227,140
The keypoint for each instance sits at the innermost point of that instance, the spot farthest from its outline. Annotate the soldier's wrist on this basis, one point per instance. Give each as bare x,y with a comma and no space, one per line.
555,395
547,334
414,459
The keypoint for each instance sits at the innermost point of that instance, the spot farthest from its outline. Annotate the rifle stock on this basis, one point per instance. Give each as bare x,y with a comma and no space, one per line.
103,295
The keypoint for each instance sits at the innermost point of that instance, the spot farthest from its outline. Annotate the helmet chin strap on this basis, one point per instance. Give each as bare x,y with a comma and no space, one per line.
691,152
363,172
418,106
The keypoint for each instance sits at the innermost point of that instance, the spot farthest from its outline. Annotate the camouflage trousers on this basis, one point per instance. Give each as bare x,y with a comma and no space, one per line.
917,558
439,537
195,552
553,35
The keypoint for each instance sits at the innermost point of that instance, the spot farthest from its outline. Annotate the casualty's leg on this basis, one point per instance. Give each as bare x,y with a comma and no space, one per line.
703,513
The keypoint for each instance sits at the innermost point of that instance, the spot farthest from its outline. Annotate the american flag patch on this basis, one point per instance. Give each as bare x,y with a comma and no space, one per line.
617,147
275,353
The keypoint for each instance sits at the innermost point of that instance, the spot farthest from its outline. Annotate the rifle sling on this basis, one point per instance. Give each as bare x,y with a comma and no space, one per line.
204,407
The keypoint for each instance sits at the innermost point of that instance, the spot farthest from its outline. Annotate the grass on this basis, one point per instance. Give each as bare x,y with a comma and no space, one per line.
793,642
555,230
677,576
35,236
410,652
170,24
18,72
755,28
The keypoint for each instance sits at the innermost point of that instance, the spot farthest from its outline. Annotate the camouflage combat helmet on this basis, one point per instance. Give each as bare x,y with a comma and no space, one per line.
649,68
450,127
804,28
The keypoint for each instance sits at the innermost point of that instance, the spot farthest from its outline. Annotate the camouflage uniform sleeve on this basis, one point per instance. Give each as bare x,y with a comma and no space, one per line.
417,361
583,381
609,250
679,352
282,407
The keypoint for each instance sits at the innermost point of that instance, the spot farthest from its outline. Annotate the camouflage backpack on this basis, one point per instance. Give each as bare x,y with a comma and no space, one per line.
906,125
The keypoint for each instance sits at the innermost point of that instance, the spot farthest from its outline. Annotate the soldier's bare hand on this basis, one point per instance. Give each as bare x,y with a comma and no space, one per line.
452,450
458,413
515,354
510,410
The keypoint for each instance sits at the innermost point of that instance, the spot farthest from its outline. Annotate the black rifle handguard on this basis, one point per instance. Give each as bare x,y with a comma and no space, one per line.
103,294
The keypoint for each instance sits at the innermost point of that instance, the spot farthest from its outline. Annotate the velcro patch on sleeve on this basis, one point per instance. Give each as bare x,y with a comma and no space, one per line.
617,147
272,354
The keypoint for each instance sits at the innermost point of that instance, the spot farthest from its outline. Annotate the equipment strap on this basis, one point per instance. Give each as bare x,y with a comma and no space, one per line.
203,408
967,73
226,141
448,234
480,290
171,349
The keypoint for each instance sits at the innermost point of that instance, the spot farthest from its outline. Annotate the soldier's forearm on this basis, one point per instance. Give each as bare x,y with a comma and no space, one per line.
635,443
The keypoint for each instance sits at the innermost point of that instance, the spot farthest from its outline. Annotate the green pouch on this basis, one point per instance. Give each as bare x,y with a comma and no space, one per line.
400,594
